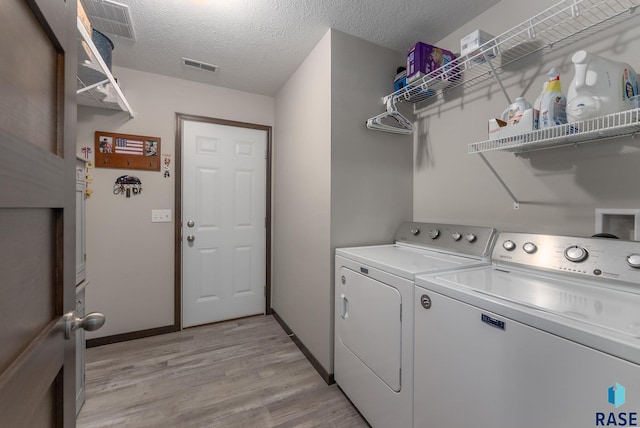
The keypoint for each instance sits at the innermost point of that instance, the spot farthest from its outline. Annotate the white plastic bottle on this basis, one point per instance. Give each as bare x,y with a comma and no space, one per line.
513,114
553,103
600,87
536,107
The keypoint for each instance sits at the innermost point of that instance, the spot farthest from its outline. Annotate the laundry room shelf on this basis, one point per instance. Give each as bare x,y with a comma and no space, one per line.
557,26
96,85
613,125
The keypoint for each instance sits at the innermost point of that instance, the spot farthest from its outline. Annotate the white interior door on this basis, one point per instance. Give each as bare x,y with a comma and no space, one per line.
224,226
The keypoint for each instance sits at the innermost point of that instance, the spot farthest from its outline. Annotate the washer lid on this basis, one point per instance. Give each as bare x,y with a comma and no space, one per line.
613,308
406,261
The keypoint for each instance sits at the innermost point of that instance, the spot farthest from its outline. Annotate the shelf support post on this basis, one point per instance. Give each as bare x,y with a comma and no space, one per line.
495,75
575,9
516,202
90,87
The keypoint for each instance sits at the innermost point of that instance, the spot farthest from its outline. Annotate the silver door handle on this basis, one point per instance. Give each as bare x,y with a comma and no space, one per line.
191,238
90,322
344,312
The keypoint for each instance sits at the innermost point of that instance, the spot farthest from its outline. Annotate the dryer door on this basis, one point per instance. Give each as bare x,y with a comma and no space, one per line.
369,324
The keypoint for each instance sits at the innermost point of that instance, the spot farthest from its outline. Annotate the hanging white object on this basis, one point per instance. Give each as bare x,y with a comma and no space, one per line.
599,87
401,125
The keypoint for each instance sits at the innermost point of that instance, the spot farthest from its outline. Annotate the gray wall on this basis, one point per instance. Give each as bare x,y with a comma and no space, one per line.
336,183
130,261
371,172
302,200
559,189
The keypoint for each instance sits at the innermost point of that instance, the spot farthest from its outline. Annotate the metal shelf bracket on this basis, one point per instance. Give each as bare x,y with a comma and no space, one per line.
516,202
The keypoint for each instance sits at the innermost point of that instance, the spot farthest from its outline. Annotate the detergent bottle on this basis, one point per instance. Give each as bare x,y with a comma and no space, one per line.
553,104
600,87
513,114
536,107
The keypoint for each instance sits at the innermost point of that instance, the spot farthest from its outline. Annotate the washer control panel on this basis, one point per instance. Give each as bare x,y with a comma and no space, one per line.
594,257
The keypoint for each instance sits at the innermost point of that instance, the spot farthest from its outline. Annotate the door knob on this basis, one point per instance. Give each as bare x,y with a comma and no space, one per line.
191,238
90,322
190,223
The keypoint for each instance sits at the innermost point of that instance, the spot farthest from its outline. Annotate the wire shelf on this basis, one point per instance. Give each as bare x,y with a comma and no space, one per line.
557,26
613,125
96,85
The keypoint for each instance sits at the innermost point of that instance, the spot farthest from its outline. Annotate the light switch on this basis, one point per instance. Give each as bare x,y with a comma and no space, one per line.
160,216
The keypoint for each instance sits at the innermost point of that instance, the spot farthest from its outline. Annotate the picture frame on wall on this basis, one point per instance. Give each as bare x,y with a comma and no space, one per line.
127,151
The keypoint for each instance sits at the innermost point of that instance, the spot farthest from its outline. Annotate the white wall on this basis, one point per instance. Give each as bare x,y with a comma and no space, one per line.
559,189
130,262
371,172
335,182
302,202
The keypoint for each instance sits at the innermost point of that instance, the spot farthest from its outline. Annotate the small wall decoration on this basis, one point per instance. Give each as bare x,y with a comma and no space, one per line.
127,151
166,164
89,180
126,185
86,151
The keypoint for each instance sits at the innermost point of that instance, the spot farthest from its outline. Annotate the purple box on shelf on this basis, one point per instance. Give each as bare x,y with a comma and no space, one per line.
422,59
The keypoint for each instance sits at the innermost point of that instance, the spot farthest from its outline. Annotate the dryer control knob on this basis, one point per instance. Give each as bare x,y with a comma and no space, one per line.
415,231
456,236
434,233
470,237
425,301
575,254
509,245
530,248
633,260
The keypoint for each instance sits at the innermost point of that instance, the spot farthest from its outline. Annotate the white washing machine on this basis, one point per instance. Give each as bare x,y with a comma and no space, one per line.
374,288
547,336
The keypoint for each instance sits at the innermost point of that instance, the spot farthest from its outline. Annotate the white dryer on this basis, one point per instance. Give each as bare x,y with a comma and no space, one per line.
374,288
546,336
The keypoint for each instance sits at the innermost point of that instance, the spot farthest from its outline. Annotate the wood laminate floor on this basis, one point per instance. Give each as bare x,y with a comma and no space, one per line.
244,373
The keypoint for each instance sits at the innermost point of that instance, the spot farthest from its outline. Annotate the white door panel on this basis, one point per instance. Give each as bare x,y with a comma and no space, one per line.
224,188
368,309
208,183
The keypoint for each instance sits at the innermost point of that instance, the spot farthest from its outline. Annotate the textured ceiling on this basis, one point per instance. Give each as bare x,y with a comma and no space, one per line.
258,44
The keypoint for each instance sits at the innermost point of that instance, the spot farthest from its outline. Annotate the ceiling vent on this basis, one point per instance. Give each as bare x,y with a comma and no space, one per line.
199,64
110,17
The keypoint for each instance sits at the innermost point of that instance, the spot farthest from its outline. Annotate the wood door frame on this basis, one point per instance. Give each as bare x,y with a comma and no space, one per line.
180,118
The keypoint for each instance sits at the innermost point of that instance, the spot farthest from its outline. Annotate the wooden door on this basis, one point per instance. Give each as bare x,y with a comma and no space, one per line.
37,215
224,221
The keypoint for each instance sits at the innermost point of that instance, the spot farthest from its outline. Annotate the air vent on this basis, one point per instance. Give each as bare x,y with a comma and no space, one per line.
199,64
110,17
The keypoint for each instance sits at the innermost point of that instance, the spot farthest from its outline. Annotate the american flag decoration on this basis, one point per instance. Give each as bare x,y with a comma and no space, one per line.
129,147
126,151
